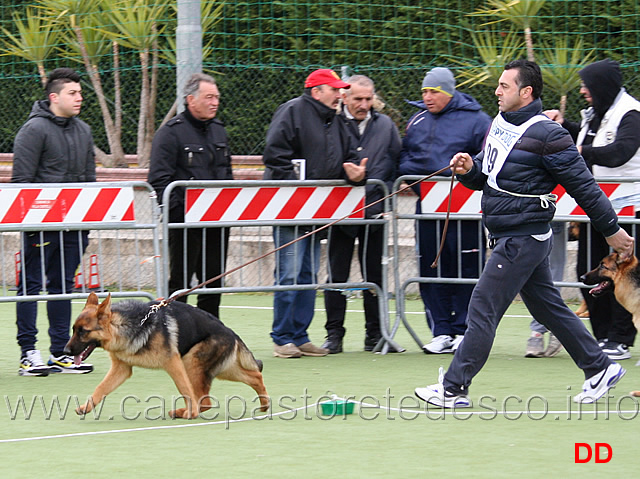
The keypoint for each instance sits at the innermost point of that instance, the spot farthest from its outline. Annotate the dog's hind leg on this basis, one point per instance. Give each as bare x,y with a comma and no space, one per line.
251,378
176,370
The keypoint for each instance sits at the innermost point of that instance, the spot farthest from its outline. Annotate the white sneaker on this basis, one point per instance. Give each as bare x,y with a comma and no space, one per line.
437,395
439,345
31,364
597,386
456,342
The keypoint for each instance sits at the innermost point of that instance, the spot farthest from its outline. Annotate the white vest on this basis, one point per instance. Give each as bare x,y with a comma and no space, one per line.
606,135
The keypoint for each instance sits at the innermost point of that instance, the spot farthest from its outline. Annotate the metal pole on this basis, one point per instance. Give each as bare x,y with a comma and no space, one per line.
188,44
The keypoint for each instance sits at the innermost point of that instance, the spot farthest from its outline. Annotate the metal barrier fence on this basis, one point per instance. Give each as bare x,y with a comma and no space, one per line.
128,238
122,218
465,205
253,209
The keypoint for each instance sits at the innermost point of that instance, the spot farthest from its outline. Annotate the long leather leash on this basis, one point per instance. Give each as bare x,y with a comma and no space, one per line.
165,302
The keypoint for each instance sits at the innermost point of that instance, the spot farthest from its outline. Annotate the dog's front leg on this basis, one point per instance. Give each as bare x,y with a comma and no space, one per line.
175,367
118,373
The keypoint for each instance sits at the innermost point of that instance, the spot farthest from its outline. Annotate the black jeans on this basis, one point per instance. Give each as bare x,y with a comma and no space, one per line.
519,264
205,255
340,251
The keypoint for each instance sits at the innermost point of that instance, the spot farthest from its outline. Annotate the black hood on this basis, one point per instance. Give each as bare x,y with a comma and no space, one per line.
604,80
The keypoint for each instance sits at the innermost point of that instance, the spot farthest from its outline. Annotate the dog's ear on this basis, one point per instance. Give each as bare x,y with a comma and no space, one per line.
92,300
620,261
105,307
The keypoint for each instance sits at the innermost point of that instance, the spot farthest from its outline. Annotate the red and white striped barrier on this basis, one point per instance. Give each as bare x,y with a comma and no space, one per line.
435,197
273,203
52,205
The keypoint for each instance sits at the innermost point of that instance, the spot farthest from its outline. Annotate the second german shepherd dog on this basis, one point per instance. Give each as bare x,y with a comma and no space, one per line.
623,278
193,346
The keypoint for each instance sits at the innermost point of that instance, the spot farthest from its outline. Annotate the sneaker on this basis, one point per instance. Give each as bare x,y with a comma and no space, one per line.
553,348
597,386
456,342
602,343
616,351
439,345
286,351
66,364
535,346
31,364
310,349
438,396
333,344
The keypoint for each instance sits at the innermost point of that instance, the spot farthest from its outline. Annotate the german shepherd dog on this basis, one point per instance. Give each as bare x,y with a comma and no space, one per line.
193,346
623,278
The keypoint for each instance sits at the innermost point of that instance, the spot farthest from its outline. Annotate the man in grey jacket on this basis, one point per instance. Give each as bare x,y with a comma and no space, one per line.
53,146
376,137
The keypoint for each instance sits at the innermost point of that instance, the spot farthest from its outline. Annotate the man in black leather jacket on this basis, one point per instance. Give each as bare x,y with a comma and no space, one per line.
193,145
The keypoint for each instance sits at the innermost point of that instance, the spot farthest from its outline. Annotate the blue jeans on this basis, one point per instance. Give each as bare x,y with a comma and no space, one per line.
295,264
59,275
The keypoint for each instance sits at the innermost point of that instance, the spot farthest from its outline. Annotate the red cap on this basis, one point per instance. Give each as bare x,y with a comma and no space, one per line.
325,77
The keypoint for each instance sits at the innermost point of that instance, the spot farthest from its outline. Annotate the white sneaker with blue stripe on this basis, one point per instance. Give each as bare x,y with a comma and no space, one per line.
597,386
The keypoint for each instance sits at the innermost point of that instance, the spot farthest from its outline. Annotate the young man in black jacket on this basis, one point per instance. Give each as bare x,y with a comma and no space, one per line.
193,145
525,156
53,146
376,138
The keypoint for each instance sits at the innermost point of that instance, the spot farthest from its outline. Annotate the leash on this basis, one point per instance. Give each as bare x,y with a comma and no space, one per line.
166,302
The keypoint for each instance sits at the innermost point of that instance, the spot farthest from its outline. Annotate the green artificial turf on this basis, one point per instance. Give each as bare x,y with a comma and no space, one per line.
519,426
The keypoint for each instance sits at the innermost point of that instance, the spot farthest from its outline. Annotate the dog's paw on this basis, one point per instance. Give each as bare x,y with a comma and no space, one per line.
635,394
82,410
183,413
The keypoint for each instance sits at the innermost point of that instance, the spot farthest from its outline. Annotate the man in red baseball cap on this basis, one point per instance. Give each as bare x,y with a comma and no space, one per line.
305,131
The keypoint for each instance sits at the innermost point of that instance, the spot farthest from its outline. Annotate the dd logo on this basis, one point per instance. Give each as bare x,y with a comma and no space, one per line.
584,452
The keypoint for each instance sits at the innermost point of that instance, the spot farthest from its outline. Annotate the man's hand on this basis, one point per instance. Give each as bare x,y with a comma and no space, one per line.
622,243
462,163
554,115
356,173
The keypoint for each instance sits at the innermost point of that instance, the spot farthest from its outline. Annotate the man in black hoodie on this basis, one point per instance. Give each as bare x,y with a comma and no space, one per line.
608,140
53,146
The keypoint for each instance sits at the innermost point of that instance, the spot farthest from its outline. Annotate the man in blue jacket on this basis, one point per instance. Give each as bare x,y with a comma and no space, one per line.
525,156
449,122
376,138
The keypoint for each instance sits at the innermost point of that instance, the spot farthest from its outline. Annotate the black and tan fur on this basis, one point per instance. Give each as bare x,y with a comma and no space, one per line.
190,344
622,277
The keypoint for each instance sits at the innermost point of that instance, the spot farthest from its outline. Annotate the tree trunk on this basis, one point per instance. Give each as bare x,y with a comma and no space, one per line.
529,41
94,76
144,104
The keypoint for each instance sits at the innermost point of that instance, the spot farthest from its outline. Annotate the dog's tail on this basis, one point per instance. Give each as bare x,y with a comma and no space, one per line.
247,359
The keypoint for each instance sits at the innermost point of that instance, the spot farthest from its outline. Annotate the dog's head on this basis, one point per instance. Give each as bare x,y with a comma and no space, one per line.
604,276
90,329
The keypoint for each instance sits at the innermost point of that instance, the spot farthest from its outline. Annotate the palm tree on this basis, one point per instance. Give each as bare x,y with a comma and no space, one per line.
495,52
36,38
521,13
562,64
80,17
137,25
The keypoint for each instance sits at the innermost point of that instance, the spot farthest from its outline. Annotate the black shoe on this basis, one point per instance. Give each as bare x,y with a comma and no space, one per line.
333,344
370,342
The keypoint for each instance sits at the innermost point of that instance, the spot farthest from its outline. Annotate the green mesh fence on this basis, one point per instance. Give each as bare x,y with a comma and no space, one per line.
261,51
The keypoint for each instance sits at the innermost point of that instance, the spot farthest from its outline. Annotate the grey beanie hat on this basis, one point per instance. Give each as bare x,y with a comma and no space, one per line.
440,79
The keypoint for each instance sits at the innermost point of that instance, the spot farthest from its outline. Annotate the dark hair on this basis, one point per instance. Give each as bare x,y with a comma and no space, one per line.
529,74
58,78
